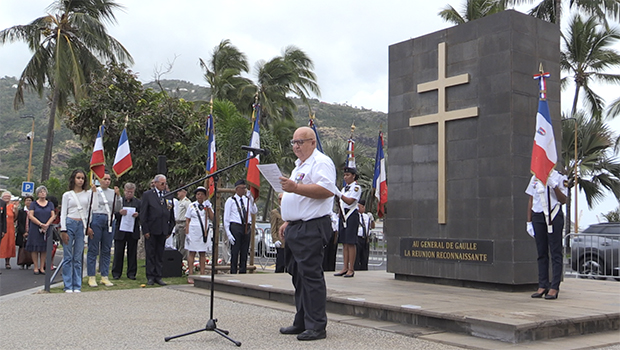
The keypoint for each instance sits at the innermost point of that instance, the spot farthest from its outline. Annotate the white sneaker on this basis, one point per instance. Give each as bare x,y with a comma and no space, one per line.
92,282
77,291
68,291
106,282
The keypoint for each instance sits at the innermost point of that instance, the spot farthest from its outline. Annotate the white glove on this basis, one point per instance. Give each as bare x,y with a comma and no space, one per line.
530,229
278,244
553,179
231,239
338,193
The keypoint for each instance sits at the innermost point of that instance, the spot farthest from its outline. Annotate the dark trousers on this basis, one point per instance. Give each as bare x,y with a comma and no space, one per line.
304,259
280,261
549,244
331,250
239,250
154,256
362,248
119,256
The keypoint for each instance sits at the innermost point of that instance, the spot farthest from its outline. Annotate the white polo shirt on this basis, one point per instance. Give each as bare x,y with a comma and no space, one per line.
354,191
317,169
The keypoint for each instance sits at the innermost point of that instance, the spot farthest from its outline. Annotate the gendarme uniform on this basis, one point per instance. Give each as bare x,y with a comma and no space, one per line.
347,232
194,241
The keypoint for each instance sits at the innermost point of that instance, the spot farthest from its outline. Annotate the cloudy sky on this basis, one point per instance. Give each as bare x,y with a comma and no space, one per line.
347,40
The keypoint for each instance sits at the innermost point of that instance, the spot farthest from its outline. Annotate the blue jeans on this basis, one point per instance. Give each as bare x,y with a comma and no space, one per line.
100,244
73,252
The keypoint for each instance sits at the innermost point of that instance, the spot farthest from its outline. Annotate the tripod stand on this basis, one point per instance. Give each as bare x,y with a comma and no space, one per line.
212,322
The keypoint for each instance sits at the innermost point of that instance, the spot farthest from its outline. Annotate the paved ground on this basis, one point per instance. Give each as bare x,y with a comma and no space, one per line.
141,318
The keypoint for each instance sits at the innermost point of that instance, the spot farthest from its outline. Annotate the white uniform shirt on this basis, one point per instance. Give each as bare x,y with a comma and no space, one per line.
365,221
192,214
181,207
538,191
231,213
352,190
99,205
317,169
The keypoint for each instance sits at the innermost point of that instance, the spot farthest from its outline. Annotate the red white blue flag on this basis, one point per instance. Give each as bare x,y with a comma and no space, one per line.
379,180
122,160
544,154
97,160
253,177
316,132
350,153
211,160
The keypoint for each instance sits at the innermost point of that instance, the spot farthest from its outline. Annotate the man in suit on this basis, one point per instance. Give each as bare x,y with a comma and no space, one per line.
157,219
124,238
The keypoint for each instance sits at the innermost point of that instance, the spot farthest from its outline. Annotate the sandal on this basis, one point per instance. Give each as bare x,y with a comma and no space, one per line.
7,266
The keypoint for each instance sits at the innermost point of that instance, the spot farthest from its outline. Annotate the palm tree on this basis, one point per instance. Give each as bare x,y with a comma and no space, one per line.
586,57
551,10
223,72
282,76
473,9
69,44
597,168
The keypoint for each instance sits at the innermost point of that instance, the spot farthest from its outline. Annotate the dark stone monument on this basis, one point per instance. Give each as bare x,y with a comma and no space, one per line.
462,114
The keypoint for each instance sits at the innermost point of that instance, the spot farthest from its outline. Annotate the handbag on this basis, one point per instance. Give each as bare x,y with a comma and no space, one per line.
24,257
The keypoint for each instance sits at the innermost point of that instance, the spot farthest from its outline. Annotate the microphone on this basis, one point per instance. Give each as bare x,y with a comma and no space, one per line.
255,150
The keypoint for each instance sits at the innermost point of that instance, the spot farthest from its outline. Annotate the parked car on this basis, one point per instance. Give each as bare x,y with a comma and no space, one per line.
595,252
263,244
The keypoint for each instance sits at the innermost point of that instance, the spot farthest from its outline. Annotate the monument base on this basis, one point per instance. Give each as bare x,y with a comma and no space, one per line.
467,284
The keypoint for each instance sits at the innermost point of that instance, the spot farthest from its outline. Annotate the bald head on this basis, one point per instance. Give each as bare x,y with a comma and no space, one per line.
304,142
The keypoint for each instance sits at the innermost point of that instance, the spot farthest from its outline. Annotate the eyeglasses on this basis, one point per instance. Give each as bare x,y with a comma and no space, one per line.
299,142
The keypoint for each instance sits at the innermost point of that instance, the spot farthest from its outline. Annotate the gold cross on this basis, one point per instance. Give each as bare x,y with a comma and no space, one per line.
441,117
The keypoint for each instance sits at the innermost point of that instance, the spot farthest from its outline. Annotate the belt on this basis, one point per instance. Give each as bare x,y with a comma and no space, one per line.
297,222
100,214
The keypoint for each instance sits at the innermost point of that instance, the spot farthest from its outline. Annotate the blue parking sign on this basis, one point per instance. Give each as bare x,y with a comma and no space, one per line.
27,188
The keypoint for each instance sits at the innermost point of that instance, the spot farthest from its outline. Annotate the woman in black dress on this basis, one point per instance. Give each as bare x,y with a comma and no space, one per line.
22,225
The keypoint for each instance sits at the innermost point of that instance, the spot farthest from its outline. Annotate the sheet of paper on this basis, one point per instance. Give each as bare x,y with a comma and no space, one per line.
127,221
272,173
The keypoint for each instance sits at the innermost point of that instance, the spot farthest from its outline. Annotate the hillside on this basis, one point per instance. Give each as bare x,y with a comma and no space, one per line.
333,121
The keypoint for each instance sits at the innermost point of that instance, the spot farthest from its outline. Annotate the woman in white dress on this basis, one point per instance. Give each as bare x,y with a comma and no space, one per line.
197,240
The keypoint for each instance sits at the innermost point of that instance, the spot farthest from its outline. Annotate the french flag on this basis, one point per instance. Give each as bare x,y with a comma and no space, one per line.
97,160
253,177
544,154
122,160
379,180
211,159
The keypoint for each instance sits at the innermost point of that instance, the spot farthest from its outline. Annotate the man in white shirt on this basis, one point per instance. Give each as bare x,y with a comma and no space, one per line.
238,212
180,208
306,206
367,222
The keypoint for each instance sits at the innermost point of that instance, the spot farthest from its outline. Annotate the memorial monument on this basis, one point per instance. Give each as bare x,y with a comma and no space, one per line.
462,114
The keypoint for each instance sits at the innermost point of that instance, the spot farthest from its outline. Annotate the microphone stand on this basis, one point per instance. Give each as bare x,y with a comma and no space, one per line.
211,323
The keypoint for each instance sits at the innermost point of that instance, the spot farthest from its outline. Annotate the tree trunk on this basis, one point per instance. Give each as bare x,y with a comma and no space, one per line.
49,143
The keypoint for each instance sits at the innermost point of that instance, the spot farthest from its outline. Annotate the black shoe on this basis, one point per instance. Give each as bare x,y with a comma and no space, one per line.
349,276
160,282
150,282
116,277
132,277
291,330
540,295
338,274
552,297
311,334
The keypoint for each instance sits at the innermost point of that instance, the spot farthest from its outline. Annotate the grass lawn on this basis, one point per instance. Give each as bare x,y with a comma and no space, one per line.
124,282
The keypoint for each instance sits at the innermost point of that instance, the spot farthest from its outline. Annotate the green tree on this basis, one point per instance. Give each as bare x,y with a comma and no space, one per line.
598,170
472,9
281,77
613,216
157,124
223,72
586,57
552,10
68,45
